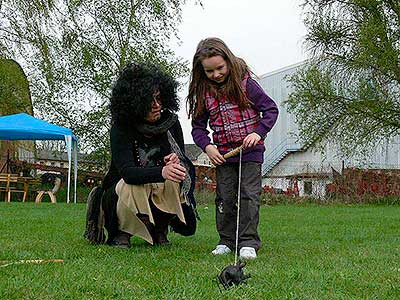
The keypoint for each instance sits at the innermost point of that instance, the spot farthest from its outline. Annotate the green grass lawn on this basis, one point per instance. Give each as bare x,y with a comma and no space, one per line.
309,252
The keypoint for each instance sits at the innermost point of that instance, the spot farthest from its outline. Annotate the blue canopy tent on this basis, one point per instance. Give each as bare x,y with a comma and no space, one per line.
25,127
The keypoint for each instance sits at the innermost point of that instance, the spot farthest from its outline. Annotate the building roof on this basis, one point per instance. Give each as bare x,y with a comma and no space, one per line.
304,175
51,155
58,156
192,152
292,66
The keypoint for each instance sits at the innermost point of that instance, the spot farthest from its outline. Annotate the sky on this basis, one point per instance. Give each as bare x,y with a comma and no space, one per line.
267,34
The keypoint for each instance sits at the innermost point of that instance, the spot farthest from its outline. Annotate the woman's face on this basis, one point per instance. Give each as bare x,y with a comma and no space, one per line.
156,106
216,68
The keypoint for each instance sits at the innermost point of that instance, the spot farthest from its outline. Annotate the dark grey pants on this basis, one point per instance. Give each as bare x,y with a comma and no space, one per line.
226,204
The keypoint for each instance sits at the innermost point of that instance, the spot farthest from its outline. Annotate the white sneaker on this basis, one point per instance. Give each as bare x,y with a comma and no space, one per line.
248,253
221,249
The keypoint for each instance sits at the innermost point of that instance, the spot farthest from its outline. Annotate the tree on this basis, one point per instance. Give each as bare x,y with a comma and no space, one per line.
72,51
349,91
14,98
14,89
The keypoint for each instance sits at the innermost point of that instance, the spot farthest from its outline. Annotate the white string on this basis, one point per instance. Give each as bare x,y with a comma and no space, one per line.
238,207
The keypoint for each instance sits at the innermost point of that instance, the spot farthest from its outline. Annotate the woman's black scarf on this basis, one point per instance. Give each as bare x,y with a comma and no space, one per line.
166,121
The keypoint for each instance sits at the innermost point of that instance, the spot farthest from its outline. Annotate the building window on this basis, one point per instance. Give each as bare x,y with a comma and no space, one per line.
52,163
308,187
62,165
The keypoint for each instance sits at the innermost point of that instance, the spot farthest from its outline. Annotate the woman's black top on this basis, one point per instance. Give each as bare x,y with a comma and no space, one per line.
137,158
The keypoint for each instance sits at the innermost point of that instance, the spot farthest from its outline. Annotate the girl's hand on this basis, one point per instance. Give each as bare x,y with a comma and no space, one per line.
174,172
214,155
251,140
171,158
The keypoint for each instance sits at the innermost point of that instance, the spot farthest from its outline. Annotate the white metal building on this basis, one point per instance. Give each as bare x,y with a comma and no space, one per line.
286,161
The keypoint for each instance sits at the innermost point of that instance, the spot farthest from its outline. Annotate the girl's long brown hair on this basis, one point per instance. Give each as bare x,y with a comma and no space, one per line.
200,84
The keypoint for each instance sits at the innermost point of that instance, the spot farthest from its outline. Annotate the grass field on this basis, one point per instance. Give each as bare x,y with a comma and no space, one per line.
309,252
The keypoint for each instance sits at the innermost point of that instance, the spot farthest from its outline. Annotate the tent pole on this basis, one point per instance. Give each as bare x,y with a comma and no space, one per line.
75,168
68,140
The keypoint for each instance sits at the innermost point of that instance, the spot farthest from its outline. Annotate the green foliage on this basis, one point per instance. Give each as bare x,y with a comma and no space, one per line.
309,252
277,199
349,91
82,193
14,89
72,51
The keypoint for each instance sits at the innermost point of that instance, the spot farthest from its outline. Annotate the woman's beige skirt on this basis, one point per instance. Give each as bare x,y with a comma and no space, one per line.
134,199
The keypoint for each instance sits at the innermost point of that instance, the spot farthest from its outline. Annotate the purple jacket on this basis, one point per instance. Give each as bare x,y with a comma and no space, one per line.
262,103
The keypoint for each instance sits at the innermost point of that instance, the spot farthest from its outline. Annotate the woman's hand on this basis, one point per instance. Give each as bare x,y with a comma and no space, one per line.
171,158
214,155
251,140
174,172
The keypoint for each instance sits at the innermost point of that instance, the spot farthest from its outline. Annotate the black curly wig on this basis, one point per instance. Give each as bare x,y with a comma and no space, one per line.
133,91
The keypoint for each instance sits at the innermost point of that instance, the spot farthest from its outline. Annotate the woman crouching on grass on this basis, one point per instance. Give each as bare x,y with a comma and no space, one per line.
150,182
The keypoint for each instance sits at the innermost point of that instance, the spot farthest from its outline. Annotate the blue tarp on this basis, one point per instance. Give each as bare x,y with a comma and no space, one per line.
25,127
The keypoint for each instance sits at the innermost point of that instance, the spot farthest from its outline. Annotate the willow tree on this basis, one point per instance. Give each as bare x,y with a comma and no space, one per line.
349,91
14,89
14,98
72,51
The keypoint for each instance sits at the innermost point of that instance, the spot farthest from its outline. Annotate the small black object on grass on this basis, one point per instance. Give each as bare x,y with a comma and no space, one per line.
232,275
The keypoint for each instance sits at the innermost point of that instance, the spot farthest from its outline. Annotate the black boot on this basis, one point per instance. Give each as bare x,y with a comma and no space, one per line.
158,231
146,221
160,235
122,240
162,220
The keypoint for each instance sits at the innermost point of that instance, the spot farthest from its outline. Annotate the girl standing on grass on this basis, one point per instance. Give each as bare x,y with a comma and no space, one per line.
223,95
